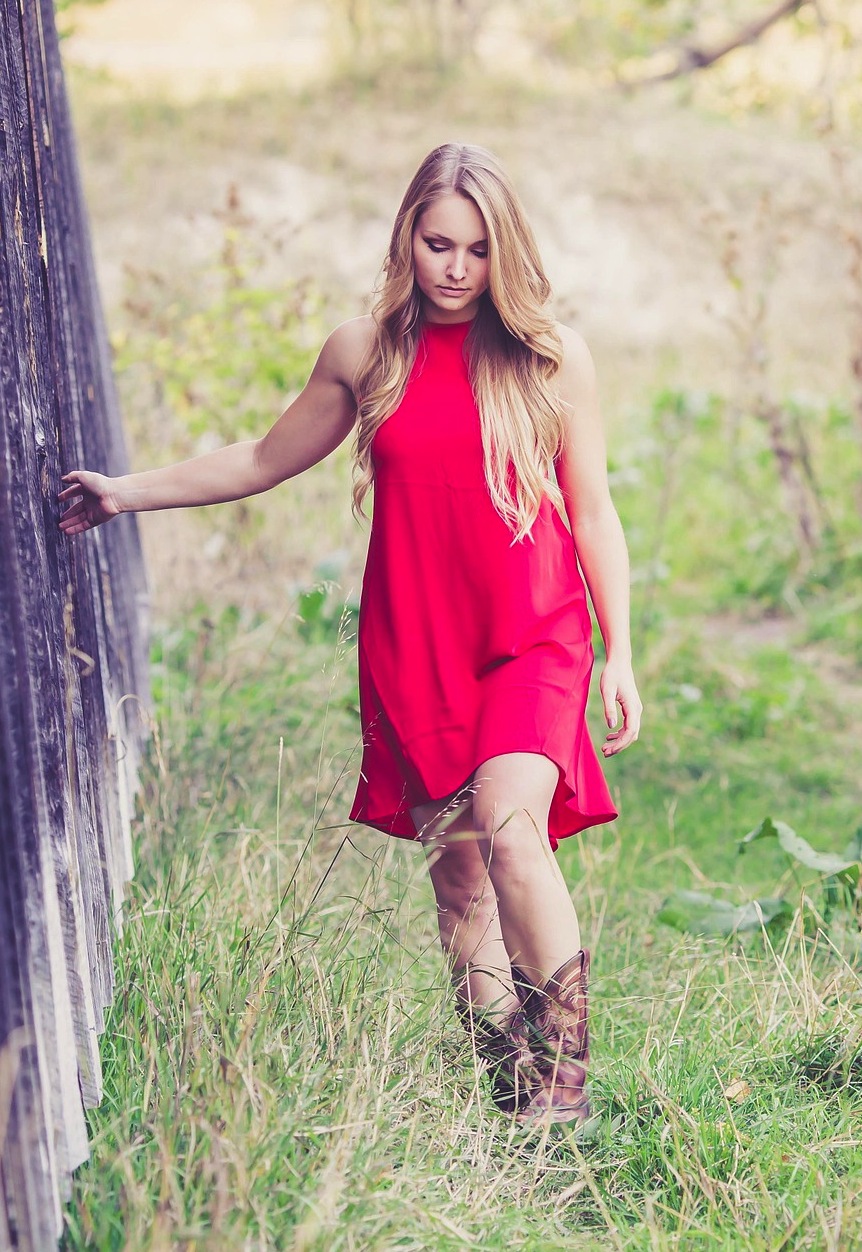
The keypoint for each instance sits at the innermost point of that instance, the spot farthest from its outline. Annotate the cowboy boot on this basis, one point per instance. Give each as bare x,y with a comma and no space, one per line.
509,1064
558,1038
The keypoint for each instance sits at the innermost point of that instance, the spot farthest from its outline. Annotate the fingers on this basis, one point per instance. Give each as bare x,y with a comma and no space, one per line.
74,525
79,506
77,517
618,740
609,692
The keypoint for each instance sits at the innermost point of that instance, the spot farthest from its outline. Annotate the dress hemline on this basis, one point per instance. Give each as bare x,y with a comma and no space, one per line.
399,824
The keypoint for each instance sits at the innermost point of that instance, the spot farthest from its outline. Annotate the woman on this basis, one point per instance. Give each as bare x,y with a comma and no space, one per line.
477,423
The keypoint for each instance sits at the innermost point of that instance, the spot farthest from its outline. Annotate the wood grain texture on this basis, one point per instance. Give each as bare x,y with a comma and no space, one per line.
72,649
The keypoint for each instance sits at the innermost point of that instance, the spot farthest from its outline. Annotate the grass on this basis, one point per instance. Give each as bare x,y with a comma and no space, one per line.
283,1068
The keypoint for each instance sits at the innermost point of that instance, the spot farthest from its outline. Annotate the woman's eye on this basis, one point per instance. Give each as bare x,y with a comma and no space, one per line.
481,253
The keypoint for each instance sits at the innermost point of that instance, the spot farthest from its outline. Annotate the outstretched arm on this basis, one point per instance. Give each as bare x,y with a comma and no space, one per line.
598,534
317,421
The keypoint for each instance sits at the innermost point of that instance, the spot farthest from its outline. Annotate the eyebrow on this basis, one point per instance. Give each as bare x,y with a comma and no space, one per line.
435,234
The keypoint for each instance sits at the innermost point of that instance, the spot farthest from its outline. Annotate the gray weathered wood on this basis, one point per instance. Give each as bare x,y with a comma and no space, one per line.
72,649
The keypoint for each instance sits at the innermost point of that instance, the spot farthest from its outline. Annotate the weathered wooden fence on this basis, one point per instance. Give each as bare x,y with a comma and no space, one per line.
72,666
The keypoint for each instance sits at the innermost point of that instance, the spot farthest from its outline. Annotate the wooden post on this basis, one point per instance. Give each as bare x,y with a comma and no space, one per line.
72,651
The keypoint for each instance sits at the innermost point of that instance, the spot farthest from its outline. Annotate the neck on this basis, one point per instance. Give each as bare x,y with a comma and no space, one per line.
449,321
435,316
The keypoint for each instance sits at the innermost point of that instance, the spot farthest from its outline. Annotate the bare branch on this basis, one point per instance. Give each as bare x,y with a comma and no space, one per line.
694,58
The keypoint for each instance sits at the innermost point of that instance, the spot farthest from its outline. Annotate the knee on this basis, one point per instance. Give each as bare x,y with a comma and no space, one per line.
461,883
511,835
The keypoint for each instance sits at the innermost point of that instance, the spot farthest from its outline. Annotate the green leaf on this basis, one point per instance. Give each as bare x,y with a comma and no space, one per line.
310,605
702,914
797,848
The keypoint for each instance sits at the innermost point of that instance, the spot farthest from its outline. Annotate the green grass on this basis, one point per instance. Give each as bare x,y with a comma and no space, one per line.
282,1065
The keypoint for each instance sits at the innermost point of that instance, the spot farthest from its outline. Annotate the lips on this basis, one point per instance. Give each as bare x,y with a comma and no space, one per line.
454,291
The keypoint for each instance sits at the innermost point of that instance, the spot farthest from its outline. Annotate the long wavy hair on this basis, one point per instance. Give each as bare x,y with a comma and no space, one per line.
513,346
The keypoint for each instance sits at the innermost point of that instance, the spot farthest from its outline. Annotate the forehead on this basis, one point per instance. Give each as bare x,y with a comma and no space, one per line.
454,217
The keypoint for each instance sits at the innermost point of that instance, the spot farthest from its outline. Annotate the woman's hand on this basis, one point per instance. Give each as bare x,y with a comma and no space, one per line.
98,500
618,687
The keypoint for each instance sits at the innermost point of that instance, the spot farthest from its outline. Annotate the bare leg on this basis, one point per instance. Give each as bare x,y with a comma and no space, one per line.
538,1062
512,798
467,912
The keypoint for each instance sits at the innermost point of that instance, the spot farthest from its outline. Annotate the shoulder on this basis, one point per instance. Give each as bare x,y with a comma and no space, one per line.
575,378
343,351
354,335
577,373
577,357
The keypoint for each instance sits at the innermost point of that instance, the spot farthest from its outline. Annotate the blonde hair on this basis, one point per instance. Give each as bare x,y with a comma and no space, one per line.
513,346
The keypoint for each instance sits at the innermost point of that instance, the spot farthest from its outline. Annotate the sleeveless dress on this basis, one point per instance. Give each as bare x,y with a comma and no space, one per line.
469,645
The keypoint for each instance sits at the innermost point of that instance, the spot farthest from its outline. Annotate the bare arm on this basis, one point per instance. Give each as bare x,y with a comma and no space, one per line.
317,421
598,535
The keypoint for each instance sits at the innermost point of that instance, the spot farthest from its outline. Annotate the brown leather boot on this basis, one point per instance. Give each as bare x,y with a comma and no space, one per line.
558,1038
509,1064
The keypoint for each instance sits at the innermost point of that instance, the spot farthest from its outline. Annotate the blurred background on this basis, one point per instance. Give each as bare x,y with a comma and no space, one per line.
244,158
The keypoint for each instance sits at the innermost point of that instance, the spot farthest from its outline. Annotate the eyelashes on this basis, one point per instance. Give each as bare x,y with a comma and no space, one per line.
481,253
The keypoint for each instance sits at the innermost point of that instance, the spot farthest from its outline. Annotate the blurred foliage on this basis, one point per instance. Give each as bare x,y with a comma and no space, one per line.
564,31
65,10
219,364
808,62
64,6
709,528
224,359
625,29
815,62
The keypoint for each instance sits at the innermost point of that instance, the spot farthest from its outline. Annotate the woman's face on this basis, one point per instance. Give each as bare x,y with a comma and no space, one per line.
450,259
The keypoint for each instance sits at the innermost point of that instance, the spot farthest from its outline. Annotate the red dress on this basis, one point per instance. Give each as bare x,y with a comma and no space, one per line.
470,645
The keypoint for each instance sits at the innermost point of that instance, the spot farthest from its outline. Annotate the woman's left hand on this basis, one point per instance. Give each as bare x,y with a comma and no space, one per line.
618,687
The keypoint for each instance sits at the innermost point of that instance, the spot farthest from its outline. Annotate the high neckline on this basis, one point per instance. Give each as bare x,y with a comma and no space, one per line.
448,327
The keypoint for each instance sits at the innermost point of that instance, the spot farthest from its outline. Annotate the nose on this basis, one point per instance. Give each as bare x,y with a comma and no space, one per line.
457,268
